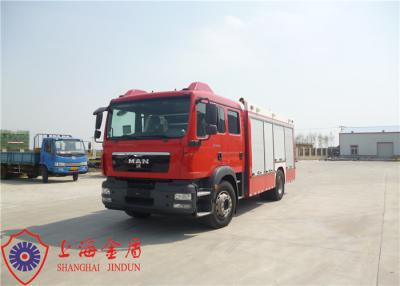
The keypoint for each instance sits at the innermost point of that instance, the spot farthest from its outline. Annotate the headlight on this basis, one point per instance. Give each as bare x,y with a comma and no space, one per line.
84,163
59,164
183,197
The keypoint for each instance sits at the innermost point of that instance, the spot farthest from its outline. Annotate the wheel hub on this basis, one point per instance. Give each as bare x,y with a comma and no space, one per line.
223,204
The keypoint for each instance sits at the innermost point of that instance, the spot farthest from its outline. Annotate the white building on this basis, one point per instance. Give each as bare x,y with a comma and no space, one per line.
381,142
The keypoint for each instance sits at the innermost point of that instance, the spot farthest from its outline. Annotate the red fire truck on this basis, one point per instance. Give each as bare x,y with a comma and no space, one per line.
191,152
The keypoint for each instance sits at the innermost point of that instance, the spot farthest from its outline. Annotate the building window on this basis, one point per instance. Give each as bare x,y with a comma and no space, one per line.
233,122
354,150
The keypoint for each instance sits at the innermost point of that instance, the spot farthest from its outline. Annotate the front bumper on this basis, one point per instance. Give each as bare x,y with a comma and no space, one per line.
69,170
155,196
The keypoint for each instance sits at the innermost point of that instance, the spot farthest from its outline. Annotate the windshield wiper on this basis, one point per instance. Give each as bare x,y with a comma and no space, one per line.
149,136
154,136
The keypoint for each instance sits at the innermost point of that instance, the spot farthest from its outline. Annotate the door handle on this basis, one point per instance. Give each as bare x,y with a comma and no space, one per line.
240,155
219,156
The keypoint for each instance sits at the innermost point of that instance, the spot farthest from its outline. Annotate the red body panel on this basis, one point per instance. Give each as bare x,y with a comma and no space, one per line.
259,184
290,175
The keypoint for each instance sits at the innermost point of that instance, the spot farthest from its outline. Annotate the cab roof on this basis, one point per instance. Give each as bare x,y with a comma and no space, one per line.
198,89
62,138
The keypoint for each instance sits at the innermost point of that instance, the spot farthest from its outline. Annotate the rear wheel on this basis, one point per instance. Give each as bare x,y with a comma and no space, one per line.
32,174
138,214
223,206
4,173
276,193
75,177
45,174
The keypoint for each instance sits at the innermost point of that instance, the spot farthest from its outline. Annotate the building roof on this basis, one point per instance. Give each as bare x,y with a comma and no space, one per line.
371,129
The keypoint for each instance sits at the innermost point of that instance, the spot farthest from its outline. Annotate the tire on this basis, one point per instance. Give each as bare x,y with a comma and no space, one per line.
32,176
223,206
75,177
138,214
276,193
4,173
45,174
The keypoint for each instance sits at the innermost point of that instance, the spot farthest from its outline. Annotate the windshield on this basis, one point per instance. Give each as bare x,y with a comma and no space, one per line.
69,147
149,119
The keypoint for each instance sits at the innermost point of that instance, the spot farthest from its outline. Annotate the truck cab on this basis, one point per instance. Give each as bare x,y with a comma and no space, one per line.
61,155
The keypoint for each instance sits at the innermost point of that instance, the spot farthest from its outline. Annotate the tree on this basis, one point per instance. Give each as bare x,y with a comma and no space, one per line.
300,138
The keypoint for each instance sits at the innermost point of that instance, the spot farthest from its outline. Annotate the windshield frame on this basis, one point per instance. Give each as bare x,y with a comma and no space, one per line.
147,136
69,153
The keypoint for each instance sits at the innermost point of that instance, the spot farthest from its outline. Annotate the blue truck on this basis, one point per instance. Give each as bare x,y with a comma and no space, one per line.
53,155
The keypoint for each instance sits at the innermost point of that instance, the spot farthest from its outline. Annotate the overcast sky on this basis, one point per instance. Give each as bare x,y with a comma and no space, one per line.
321,64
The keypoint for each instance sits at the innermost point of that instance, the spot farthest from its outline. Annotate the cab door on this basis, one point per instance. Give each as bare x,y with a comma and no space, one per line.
235,138
221,136
47,154
211,150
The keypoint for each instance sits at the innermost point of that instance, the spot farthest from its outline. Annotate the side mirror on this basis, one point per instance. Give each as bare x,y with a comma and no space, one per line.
211,129
99,120
211,114
97,134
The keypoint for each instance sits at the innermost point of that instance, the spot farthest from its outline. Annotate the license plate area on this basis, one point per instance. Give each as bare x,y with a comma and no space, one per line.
138,196
138,193
139,201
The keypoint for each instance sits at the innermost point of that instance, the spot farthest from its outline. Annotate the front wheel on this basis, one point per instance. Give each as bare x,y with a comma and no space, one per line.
75,177
45,175
223,206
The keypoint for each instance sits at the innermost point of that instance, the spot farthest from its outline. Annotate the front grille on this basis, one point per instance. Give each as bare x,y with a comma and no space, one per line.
141,161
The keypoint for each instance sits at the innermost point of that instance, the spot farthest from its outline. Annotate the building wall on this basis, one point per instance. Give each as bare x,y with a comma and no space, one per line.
367,142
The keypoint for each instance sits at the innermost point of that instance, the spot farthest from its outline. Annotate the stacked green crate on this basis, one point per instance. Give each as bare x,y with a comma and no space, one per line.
14,140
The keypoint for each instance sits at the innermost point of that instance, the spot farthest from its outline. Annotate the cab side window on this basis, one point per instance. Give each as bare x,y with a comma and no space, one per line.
47,147
201,119
233,122
221,120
